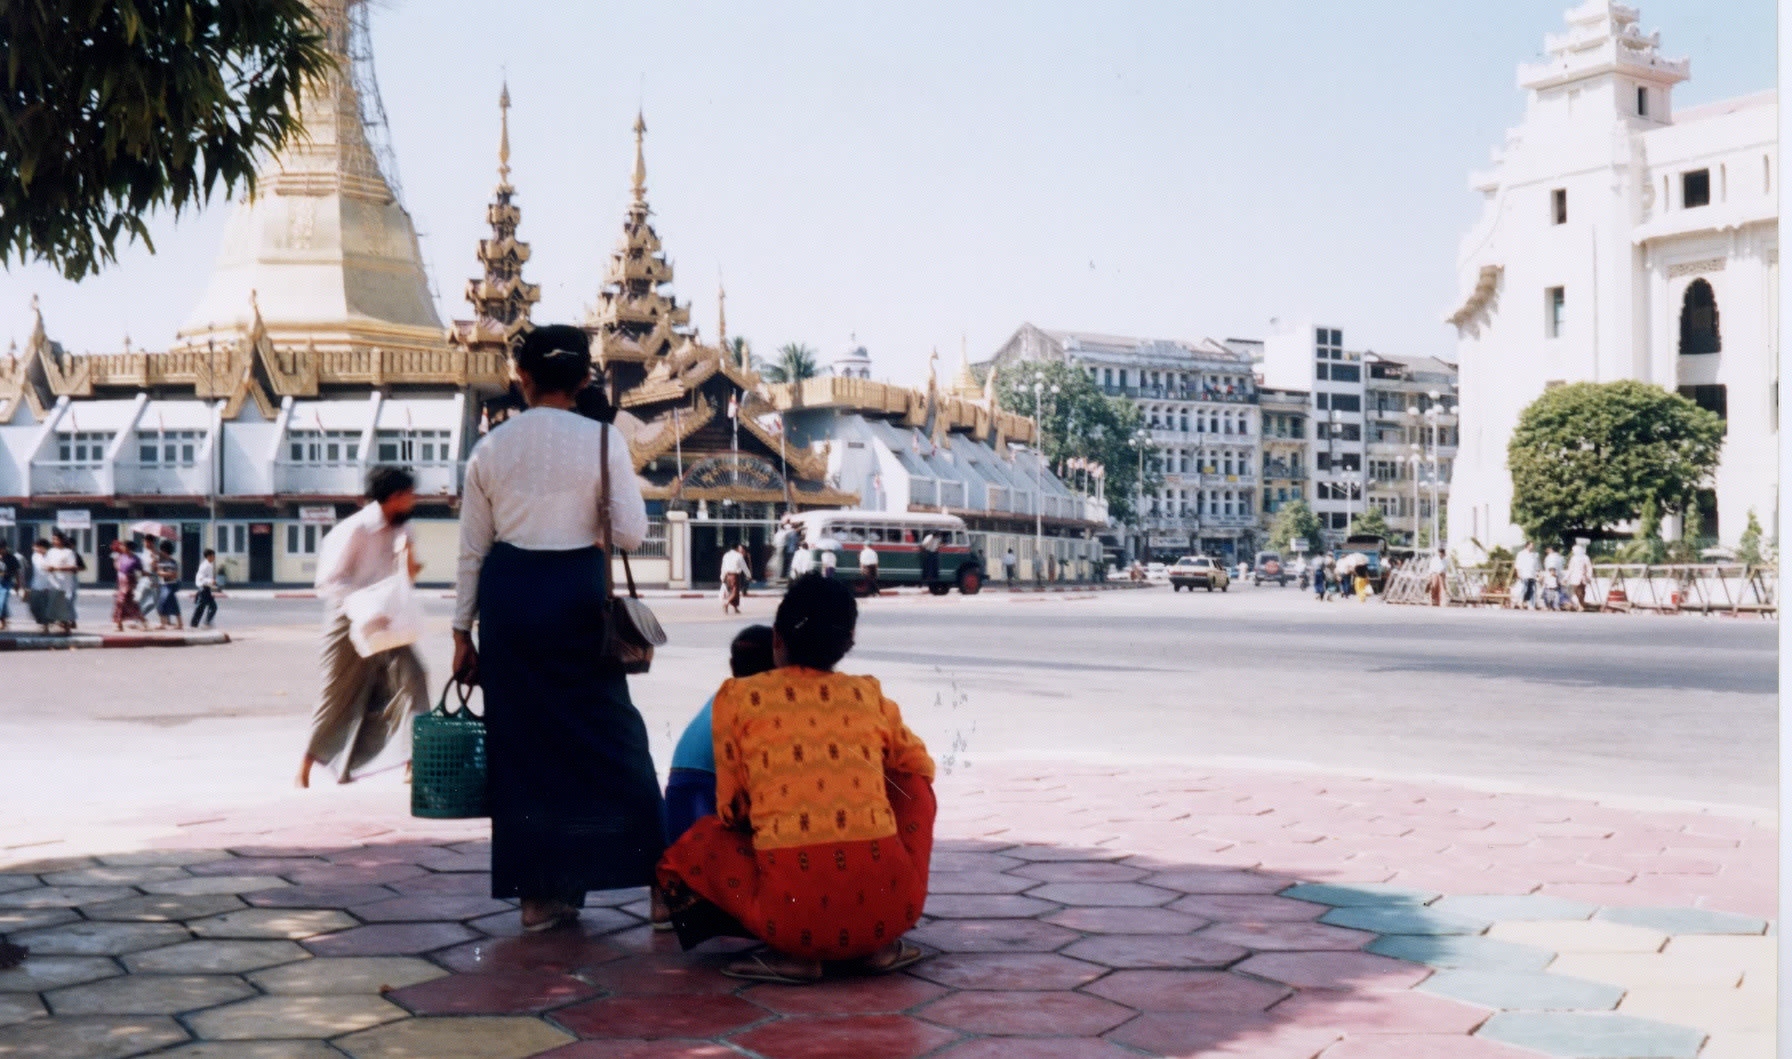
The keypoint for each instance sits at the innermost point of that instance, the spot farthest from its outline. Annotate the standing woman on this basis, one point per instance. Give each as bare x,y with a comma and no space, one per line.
124,600
575,802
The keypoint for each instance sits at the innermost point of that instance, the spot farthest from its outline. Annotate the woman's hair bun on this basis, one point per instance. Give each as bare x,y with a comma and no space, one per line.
557,357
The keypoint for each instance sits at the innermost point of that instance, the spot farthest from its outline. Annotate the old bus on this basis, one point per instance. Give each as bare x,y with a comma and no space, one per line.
896,537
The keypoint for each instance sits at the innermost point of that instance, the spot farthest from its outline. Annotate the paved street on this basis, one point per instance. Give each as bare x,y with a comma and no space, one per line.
1172,825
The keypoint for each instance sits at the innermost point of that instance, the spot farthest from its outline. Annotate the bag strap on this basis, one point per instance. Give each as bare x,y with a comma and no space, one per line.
606,534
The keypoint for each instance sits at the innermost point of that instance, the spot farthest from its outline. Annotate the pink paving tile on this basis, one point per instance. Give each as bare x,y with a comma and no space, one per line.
1038,854
1423,1046
1216,991
888,995
498,993
1037,1048
1102,895
254,865
427,907
985,906
594,920
455,884
312,852
349,874
385,853
1334,970
1202,1034
1008,971
1221,881
390,939
859,1036
1080,872
1658,863
449,861
651,1017
315,896
955,861
668,1049
1127,921
1287,937
662,975
558,951
1382,1011
1550,872
1136,951
1249,908
1026,1014
1678,892
977,882
992,935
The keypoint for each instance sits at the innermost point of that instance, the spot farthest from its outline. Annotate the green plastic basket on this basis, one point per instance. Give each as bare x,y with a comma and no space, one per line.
448,761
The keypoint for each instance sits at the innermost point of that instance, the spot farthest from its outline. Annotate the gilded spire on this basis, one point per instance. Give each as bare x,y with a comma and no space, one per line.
500,298
721,311
640,186
504,136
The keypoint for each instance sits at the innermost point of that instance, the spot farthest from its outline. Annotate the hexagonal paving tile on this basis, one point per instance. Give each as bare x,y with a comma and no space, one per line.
1040,971
326,975
497,993
886,995
1081,872
17,1007
1104,895
1137,951
1218,881
10,883
1380,1011
1524,990
163,909
861,1036
1037,1048
455,1038
1355,895
47,864
1684,920
294,1016
984,906
1025,1014
1217,991
89,1037
171,858
557,950
1286,937
50,972
317,895
977,882
1403,919
198,886
257,865
14,919
425,907
1593,935
992,935
148,995
64,896
1206,1034
100,939
1037,854
1593,1036
1334,970
390,939
292,924
1248,908
1456,950
652,1017
114,876
1514,907
1126,921
215,957
252,1050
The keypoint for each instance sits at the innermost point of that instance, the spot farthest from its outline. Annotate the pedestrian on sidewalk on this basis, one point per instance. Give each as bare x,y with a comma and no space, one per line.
63,566
1555,578
146,574
734,577
836,876
1526,569
1319,579
1439,572
167,575
830,556
10,568
205,608
124,599
802,561
363,719
1580,574
930,558
868,568
1010,564
575,802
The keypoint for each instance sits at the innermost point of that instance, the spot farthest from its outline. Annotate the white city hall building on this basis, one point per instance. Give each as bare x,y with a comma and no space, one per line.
1621,239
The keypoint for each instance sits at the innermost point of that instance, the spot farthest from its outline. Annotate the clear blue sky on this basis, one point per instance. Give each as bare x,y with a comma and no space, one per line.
913,172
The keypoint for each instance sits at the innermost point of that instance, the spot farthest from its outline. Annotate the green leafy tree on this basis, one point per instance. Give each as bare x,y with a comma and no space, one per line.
796,362
1294,520
1371,523
1589,455
1645,545
1748,548
115,108
740,350
1079,421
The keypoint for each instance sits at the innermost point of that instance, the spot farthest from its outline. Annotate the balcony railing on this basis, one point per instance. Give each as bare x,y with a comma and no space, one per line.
139,480
1177,393
64,479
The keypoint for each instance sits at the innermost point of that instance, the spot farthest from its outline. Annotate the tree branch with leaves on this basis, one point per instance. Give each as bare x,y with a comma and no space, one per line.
1080,421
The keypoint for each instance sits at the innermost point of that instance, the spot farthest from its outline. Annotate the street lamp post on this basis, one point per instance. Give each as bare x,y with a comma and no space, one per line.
1138,441
1039,392
1416,460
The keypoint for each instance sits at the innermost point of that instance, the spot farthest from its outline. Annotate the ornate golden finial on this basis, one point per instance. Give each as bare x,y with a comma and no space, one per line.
721,310
255,302
640,159
504,134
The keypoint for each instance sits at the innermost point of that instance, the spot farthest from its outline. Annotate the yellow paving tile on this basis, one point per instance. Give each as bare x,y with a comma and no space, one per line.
1580,936
1708,1009
1748,951
455,1038
1634,969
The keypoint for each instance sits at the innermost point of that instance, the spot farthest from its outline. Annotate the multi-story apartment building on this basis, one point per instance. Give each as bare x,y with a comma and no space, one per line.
1286,458
1313,360
1410,432
1198,403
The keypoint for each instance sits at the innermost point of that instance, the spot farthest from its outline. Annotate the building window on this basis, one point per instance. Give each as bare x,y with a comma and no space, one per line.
1642,101
323,448
1555,302
1711,399
1695,188
1698,320
416,447
232,538
301,540
82,449
1558,205
1346,373
168,448
1346,402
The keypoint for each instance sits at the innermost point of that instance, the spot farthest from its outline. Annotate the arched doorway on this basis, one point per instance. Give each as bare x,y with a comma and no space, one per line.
1698,320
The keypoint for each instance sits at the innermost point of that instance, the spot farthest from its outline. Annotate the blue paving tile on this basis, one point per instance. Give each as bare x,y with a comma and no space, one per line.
1355,895
1593,1036
1684,920
1403,919
1524,990
1465,951
1515,907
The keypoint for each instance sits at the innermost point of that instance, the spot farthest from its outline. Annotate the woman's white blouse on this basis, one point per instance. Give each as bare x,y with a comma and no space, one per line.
534,483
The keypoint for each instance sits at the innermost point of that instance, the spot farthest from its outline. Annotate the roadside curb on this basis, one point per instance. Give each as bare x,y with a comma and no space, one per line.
33,641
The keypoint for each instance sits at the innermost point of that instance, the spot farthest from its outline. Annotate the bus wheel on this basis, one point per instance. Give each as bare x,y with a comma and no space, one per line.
939,589
970,581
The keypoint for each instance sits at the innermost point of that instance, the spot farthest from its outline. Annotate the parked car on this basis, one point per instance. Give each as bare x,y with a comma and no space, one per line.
1268,567
1198,571
1157,572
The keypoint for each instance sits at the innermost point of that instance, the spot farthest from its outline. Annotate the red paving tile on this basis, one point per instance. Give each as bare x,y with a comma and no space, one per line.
1334,970
497,993
508,924
1423,1046
858,1036
668,1049
1155,951
1127,921
651,1017
1201,1034
558,952
1036,1048
1249,908
992,935
1103,895
390,939
662,974
1382,1011
1081,872
1181,991
1026,1014
1287,937
865,996
1033,971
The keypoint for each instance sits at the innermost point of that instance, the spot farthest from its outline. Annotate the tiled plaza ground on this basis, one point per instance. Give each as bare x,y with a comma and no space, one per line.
1076,912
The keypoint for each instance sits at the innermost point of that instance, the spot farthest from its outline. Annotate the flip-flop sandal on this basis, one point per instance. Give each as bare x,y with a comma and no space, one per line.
554,922
760,971
907,956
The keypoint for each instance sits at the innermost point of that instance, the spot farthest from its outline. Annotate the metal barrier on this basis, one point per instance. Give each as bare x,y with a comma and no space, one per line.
1697,588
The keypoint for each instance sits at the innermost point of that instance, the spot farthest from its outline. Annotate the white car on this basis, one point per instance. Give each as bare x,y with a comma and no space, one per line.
1157,572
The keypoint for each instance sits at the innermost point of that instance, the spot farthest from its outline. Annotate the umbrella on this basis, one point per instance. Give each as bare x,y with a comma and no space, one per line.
155,529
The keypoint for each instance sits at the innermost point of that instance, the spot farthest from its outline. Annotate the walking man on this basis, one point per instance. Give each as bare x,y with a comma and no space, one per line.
1439,569
868,568
734,577
1009,564
1525,569
364,711
205,608
167,575
1580,574
930,558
